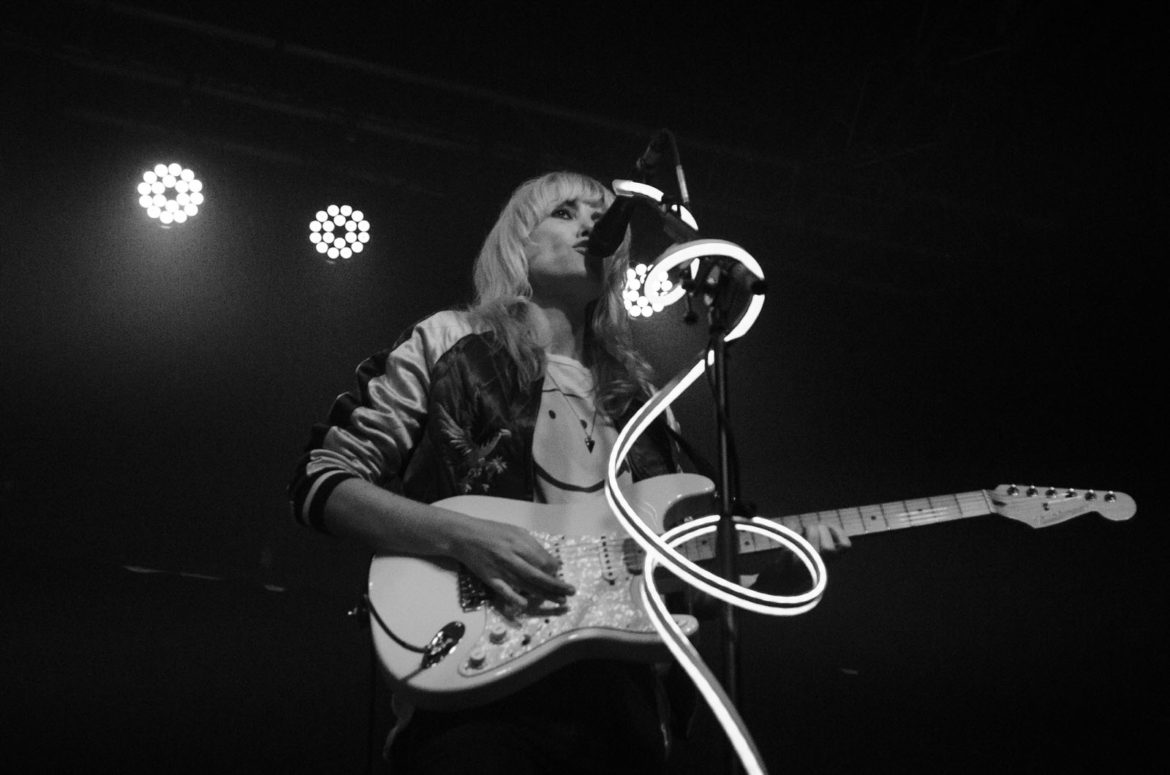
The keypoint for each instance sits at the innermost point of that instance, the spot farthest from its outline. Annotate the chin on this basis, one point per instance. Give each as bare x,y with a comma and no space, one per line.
595,266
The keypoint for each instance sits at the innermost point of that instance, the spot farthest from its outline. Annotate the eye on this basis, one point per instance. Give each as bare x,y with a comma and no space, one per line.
562,212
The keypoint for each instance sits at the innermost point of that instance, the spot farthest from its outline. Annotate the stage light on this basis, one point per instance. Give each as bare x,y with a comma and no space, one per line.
170,193
339,232
642,298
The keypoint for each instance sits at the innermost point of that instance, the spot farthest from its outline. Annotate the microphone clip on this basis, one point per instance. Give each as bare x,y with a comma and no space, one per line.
677,221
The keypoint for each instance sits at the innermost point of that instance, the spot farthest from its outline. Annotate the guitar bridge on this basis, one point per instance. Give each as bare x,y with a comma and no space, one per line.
473,595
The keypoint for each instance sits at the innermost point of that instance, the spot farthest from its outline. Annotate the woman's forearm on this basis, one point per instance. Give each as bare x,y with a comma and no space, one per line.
390,523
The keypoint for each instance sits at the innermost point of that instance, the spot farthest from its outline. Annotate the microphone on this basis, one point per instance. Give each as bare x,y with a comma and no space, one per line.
647,163
610,230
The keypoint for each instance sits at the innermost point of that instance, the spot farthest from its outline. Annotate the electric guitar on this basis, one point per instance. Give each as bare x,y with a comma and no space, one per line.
443,644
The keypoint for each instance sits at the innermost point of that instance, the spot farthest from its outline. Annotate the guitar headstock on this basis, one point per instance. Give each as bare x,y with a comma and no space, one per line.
1045,506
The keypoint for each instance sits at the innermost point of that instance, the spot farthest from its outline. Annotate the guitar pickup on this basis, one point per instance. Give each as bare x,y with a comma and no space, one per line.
608,566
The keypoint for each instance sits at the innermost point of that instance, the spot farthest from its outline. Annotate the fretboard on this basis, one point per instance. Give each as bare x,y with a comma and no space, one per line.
859,520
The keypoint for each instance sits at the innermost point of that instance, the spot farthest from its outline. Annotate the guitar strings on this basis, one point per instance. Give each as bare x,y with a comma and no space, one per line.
852,520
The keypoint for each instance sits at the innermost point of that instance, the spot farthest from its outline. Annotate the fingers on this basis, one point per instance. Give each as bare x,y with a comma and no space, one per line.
542,582
518,595
516,567
533,561
534,570
827,539
507,597
534,591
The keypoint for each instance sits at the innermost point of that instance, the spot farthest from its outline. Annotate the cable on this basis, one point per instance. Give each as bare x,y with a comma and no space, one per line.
386,629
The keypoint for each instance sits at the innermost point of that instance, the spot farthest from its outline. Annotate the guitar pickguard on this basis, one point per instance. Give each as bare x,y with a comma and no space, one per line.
601,571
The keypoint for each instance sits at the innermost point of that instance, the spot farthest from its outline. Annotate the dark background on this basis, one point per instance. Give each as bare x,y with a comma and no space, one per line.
960,206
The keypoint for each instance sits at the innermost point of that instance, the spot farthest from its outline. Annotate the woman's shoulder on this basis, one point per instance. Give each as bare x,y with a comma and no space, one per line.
444,327
438,334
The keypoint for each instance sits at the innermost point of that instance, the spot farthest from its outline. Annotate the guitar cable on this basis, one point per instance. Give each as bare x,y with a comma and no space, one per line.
369,606
372,710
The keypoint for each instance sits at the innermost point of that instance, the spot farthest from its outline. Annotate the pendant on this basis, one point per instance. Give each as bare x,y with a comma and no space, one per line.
589,444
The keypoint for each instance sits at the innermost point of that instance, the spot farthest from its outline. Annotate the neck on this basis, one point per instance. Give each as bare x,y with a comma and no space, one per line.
561,327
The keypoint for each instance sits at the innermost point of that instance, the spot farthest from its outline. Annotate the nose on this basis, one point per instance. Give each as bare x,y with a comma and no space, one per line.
588,218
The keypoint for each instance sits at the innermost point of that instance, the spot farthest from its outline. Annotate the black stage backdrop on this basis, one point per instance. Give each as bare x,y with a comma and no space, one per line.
960,207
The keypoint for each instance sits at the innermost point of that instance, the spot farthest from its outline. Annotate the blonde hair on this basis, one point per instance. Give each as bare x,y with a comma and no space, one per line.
503,294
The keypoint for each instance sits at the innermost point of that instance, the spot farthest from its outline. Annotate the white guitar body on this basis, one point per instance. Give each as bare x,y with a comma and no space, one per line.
481,654
450,647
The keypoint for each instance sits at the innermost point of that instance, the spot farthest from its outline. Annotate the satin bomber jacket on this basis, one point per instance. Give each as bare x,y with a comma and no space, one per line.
439,414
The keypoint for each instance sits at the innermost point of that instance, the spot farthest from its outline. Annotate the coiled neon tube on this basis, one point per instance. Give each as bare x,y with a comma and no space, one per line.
662,550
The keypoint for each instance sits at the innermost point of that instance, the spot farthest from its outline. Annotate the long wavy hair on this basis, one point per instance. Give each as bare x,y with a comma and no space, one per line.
503,294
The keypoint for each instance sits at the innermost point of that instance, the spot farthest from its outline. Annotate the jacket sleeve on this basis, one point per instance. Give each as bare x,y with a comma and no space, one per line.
372,429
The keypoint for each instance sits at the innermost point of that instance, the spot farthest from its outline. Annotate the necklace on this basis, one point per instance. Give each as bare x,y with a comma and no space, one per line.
586,427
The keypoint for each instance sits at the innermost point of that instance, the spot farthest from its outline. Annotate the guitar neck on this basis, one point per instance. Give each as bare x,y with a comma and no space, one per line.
860,520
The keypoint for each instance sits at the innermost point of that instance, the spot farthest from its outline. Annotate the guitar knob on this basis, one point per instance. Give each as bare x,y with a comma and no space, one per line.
498,633
476,658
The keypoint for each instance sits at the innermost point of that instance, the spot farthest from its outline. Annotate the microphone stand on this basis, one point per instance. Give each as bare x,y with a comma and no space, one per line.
722,286
720,295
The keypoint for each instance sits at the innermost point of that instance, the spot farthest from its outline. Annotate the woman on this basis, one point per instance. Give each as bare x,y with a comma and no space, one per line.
521,395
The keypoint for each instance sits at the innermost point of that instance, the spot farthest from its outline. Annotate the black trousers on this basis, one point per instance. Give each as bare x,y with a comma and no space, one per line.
589,717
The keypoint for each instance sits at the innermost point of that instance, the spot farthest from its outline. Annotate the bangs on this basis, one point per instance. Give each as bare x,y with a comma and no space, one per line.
503,292
558,187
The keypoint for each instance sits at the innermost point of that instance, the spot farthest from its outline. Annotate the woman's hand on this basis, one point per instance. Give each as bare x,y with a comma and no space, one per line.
511,562
826,539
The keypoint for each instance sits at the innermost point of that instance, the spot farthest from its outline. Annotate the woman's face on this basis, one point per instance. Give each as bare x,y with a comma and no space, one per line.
558,265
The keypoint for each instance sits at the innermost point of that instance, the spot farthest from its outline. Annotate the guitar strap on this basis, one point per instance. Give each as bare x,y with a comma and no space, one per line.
701,464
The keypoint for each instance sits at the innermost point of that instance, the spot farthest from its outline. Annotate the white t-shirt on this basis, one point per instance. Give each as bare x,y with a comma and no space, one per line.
573,438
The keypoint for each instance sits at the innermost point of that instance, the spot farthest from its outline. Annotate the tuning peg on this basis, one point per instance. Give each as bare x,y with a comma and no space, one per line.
1090,495
1013,490
1050,492
1110,496
1031,491
1070,493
